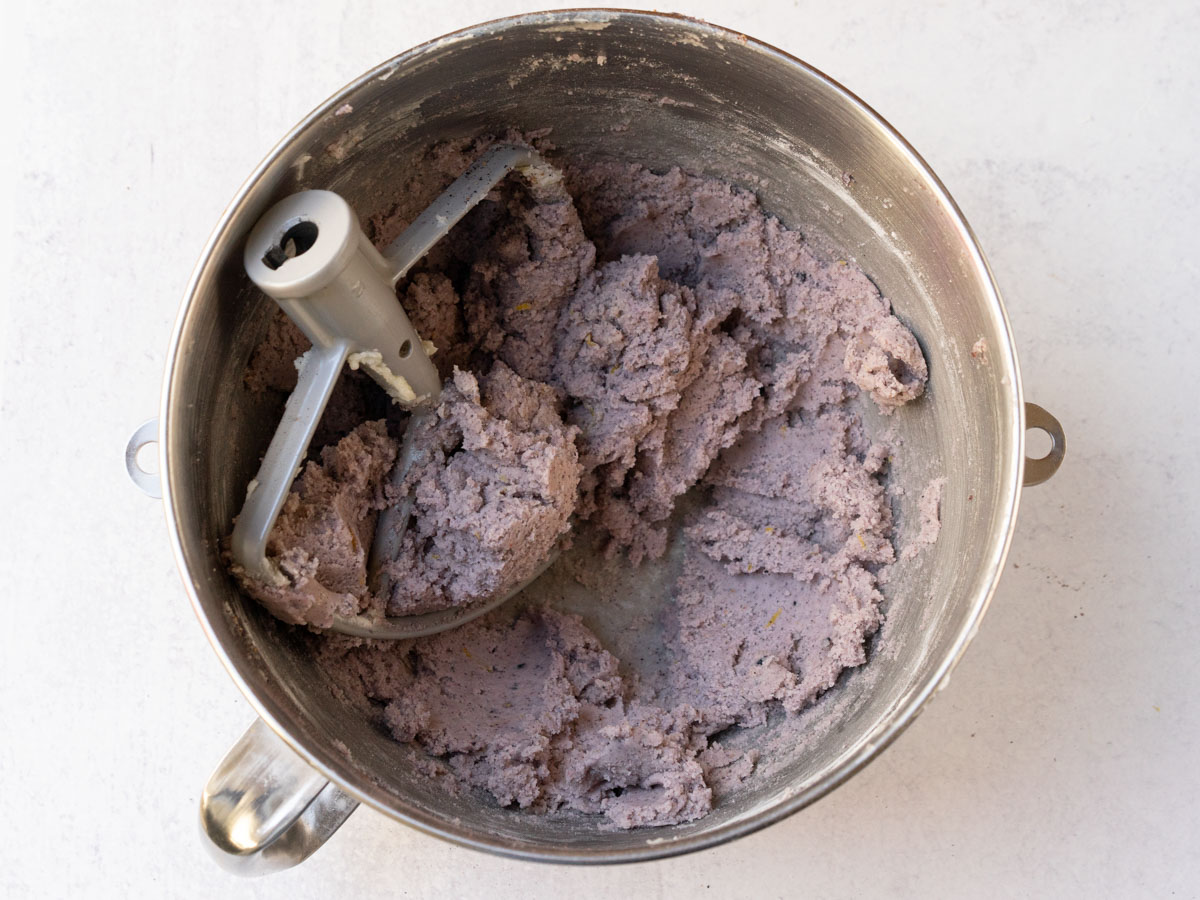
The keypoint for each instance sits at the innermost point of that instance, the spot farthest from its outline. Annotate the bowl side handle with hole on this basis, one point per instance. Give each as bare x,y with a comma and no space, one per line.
1041,470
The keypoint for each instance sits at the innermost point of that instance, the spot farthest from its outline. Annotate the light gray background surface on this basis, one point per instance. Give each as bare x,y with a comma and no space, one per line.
1062,759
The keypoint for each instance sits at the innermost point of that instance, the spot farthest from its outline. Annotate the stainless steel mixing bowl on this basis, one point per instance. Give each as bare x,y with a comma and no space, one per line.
665,91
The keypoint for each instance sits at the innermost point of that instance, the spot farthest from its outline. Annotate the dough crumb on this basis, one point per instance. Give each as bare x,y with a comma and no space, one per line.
929,508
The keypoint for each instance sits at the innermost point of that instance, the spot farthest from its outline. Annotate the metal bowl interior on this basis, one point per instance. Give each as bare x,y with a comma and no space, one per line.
663,91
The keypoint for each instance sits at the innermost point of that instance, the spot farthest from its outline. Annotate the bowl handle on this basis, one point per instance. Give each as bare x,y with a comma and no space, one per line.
146,481
1039,470
265,809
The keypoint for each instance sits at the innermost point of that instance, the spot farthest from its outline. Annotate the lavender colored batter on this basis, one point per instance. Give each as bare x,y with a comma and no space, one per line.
606,352
322,535
492,493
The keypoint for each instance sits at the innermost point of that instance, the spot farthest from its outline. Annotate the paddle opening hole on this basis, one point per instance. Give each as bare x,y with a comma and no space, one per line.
296,241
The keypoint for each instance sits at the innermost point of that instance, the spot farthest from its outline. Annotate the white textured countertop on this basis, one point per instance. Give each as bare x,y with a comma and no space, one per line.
1061,761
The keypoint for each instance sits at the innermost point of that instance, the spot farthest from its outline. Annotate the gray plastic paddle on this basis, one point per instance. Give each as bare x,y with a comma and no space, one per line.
309,254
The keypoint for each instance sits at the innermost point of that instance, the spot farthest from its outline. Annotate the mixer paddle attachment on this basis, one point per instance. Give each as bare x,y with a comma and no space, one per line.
309,254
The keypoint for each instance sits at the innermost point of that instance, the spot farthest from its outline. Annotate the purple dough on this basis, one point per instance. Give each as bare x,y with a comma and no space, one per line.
534,712
492,494
797,533
324,531
646,334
